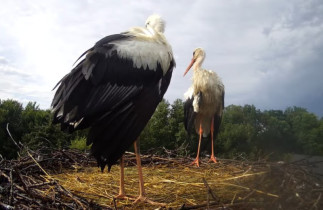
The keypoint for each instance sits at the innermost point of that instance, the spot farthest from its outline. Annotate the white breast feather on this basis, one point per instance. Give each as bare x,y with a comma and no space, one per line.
196,106
210,84
189,93
145,54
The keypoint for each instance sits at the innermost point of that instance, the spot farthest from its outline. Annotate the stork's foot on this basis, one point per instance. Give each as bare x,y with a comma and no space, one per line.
144,199
213,159
122,196
196,162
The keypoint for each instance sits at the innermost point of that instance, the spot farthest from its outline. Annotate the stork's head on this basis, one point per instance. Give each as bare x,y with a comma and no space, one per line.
198,58
156,23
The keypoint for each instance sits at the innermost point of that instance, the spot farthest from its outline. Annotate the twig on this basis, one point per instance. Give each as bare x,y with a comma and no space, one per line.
67,155
247,188
11,189
42,184
114,203
225,206
27,151
38,164
247,170
29,199
24,185
234,197
1,159
210,190
69,194
12,137
9,180
5,206
183,207
248,195
316,202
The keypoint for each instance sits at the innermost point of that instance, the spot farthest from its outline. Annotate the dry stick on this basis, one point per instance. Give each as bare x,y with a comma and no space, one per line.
42,184
210,190
225,206
317,201
5,206
24,185
1,159
69,194
11,189
26,188
247,188
39,165
12,137
248,195
114,203
183,207
208,200
143,157
29,199
234,197
67,155
9,180
27,152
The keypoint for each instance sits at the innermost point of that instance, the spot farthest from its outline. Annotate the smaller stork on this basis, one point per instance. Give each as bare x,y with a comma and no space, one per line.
204,103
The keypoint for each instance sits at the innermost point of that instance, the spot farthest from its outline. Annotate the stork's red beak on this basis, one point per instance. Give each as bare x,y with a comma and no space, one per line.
189,66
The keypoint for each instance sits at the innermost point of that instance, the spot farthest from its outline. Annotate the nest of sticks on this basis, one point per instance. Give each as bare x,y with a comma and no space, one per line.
69,179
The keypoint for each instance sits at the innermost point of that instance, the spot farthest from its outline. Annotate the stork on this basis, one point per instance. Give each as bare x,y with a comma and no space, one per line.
204,103
114,90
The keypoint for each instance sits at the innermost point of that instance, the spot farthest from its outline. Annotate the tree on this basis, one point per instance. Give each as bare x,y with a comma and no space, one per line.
239,130
244,130
306,128
10,113
157,131
275,137
180,140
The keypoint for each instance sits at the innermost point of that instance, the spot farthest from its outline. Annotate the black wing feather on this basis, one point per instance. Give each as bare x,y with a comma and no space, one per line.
189,115
218,118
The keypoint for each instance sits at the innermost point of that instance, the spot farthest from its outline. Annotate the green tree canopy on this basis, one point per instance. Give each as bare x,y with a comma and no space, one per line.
245,131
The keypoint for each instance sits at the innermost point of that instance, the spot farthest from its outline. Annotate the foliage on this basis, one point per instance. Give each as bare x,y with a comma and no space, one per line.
245,131
30,125
11,115
80,144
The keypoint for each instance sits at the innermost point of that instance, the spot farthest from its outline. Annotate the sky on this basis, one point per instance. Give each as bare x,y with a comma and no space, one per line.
269,53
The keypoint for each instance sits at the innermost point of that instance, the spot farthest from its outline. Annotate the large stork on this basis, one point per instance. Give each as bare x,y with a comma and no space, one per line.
114,90
204,103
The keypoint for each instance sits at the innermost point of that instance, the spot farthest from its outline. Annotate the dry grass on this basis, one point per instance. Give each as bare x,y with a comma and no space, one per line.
173,183
67,179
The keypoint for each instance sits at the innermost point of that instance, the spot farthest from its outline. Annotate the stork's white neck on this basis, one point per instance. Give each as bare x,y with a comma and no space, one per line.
198,63
150,31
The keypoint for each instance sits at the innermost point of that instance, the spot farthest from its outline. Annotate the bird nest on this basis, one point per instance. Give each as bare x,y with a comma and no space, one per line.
69,179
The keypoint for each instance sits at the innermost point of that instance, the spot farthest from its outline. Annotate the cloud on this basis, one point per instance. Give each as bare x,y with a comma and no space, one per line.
291,63
19,85
268,53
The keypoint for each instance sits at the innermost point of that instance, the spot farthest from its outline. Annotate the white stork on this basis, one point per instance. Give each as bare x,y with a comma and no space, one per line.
204,103
115,90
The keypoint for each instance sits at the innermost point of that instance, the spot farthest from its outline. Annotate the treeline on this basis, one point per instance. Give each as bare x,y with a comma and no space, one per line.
245,131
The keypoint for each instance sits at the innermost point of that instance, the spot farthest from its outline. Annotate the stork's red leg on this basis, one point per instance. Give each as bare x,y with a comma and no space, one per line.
142,195
121,194
212,158
197,160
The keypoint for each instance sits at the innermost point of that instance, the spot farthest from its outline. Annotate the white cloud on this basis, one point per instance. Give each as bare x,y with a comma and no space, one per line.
260,48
